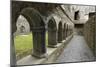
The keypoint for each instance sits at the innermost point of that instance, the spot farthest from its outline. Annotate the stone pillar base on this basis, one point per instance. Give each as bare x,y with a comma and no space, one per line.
59,41
52,46
39,56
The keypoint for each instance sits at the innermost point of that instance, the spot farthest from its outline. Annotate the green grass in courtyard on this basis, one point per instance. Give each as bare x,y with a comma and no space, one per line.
24,45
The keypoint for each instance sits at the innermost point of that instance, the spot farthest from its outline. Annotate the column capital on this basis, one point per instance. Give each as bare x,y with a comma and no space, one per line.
38,29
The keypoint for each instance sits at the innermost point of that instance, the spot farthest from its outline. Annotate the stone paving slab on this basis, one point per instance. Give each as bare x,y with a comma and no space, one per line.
76,51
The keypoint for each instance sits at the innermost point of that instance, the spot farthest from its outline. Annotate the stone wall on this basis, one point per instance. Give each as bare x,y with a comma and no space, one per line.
90,32
83,10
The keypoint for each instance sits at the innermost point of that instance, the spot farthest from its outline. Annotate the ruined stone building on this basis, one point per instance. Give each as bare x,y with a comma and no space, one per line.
60,21
79,15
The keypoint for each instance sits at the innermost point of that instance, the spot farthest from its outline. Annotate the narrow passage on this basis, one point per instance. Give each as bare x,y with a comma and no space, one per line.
76,50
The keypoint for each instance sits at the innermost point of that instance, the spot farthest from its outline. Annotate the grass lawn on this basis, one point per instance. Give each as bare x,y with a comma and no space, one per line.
24,45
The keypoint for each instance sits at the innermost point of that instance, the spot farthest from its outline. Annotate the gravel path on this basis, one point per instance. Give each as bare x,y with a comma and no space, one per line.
77,50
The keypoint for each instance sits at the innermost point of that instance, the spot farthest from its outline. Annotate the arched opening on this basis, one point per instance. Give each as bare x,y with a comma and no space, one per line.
64,31
60,32
38,31
23,27
22,38
76,16
37,27
52,33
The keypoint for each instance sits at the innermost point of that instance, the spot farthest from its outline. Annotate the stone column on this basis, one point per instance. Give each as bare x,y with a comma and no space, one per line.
52,38
39,47
60,34
64,33
69,31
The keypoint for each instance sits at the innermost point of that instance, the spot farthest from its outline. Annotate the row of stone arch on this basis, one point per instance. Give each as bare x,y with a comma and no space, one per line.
56,35
37,26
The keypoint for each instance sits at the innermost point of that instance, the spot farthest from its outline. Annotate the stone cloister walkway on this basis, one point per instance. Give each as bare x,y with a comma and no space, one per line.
77,50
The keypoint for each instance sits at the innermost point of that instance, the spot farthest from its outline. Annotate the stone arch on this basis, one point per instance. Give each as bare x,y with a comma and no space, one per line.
37,27
60,32
52,33
34,17
64,31
68,32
